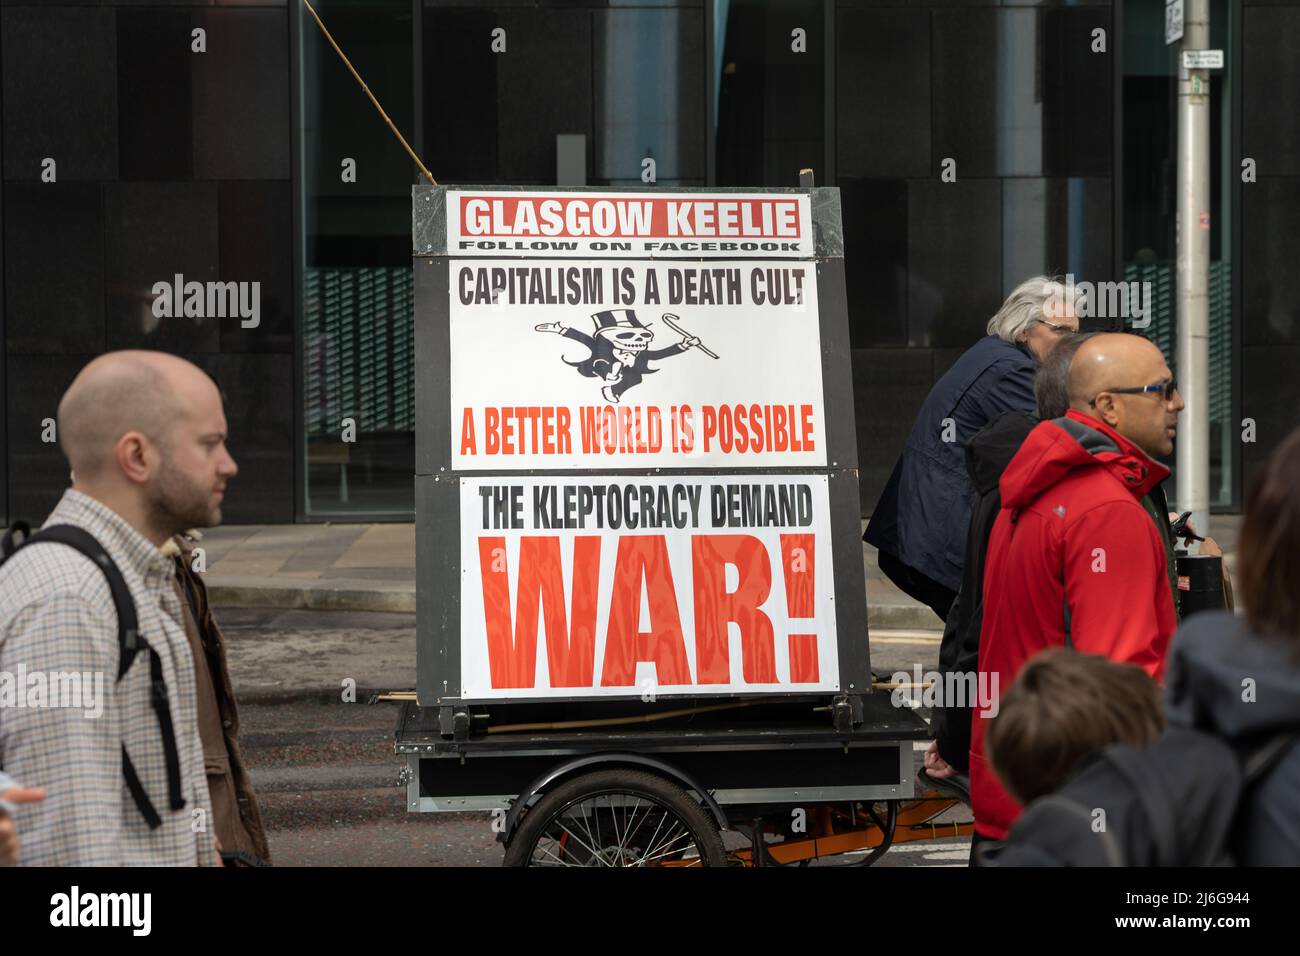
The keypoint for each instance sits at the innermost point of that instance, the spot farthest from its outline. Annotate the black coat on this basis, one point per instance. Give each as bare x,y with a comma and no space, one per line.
1211,656
925,509
987,456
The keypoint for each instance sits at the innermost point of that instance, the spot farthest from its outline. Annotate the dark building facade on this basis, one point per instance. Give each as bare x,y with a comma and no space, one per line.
975,143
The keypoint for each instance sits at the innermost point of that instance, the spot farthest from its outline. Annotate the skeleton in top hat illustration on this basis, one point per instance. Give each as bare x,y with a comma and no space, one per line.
620,349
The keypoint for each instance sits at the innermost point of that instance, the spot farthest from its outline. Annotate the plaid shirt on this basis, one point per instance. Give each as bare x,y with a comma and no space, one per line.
57,614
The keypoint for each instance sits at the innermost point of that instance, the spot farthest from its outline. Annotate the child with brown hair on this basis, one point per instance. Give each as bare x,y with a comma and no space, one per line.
1062,707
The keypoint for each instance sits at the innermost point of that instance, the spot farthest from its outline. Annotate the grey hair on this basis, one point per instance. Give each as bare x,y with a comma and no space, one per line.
1052,380
1025,306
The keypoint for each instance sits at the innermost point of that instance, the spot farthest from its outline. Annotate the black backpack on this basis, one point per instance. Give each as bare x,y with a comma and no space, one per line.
1176,803
987,456
129,643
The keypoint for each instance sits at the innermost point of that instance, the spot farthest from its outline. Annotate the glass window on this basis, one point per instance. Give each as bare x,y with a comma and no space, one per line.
357,297
768,88
648,98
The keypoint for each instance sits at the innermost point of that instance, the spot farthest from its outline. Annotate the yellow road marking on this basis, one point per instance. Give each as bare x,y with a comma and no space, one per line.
913,637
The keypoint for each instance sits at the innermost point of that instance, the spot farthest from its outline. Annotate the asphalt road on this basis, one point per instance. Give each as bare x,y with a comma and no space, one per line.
325,771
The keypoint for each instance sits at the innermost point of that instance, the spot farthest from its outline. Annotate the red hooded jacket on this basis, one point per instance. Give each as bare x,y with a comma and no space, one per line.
1072,534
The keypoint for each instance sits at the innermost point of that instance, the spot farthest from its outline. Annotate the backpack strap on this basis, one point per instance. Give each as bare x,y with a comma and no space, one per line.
128,631
1255,764
162,709
1156,806
138,792
129,644
10,543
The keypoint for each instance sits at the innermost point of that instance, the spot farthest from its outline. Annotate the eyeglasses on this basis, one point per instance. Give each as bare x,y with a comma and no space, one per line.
1168,389
1058,329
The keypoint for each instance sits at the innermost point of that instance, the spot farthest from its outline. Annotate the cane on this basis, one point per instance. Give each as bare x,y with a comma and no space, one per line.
668,321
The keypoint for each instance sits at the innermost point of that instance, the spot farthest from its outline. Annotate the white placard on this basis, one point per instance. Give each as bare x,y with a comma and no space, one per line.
1173,21
1202,59
635,586
591,364
629,225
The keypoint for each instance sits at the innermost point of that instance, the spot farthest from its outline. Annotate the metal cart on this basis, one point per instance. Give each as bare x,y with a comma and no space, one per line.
662,788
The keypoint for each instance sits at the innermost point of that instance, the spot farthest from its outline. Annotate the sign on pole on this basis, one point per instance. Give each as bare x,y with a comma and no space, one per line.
1173,21
1203,59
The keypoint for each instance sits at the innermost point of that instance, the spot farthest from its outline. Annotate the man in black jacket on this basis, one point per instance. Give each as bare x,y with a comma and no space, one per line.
987,456
918,527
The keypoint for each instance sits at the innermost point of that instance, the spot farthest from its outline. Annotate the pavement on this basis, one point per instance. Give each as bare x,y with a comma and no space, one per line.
328,788
371,567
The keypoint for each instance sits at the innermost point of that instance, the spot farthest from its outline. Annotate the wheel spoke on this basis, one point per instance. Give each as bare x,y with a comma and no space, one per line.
551,854
651,841
672,821
586,825
632,824
627,839
594,852
613,822
627,830
668,852
650,850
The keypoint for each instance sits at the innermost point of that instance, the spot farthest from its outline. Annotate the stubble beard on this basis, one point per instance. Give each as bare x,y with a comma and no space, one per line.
176,505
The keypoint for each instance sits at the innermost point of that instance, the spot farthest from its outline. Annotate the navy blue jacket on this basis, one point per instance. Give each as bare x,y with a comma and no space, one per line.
924,512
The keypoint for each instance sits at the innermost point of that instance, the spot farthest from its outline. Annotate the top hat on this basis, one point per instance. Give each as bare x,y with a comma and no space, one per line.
612,320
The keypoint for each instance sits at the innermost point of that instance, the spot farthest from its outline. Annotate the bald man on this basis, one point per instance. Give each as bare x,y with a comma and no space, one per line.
145,435
1075,557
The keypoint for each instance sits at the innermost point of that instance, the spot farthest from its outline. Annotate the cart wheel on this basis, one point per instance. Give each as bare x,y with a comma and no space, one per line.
616,818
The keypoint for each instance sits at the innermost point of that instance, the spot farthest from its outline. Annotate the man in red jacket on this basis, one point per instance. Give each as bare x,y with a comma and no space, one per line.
1074,559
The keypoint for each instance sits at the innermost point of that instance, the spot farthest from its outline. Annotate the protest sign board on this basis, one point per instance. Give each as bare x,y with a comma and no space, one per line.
636,464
